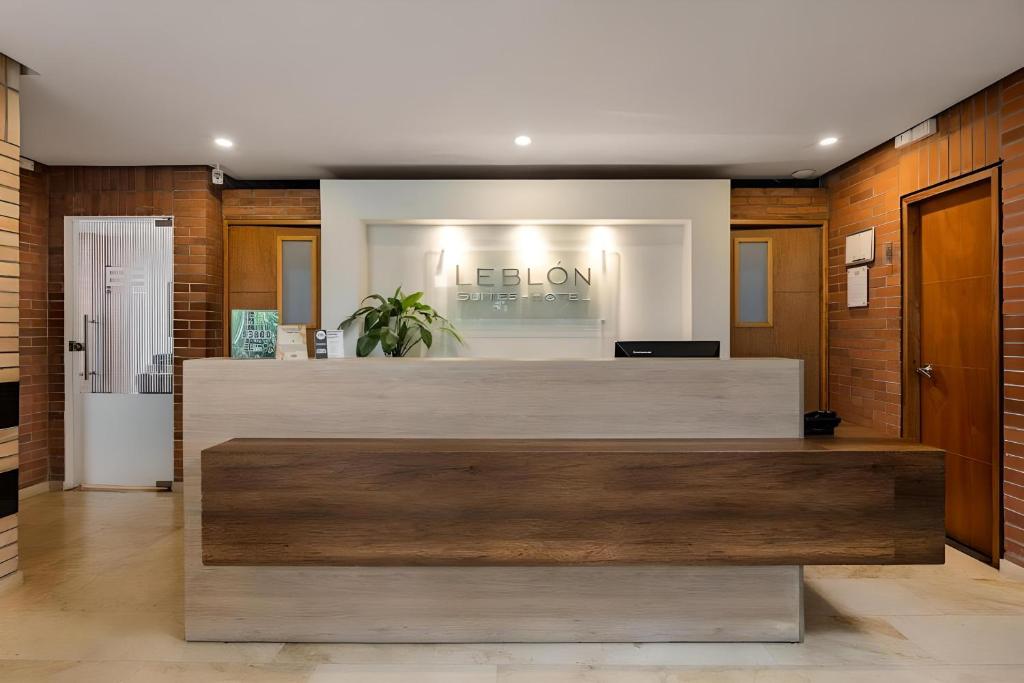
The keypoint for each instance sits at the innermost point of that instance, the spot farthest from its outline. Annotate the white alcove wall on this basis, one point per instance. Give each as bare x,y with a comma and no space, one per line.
672,235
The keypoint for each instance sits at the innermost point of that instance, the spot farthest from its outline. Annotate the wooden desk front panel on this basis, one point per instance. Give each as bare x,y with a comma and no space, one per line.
488,502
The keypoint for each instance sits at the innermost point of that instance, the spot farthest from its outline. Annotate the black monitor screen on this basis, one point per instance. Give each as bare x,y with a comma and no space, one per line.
667,349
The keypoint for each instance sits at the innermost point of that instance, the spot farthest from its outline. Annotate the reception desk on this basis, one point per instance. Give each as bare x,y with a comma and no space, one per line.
406,500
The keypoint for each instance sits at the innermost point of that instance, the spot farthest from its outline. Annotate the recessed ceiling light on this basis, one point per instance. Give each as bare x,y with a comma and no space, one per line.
804,173
523,140
223,142
825,142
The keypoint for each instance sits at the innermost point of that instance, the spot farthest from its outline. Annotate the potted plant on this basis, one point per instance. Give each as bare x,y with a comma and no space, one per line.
398,324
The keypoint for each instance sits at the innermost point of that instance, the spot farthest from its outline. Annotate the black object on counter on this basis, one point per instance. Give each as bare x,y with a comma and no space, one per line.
667,349
821,423
320,344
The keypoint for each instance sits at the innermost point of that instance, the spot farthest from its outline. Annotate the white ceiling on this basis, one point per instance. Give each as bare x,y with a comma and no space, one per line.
726,88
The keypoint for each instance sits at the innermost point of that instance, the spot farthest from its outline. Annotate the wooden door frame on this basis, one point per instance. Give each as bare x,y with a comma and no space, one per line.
255,223
768,223
910,422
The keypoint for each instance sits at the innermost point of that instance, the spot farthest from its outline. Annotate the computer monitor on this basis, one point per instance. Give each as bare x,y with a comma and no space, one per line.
667,349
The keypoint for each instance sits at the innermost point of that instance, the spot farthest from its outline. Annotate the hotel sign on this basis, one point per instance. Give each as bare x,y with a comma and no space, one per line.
499,284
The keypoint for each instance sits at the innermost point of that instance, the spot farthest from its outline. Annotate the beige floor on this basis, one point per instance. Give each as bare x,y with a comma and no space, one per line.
102,596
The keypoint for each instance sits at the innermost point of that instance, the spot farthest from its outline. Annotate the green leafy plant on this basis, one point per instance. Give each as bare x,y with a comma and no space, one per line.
398,324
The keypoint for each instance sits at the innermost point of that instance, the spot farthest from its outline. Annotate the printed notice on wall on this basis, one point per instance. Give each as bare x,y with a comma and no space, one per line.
857,287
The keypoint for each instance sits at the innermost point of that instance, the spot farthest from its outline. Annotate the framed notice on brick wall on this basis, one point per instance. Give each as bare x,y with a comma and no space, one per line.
857,287
860,247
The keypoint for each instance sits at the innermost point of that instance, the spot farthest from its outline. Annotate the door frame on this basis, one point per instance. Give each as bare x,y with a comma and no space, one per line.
260,223
910,422
822,225
72,428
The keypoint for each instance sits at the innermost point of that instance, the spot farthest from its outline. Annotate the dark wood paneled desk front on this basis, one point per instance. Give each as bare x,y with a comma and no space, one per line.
545,502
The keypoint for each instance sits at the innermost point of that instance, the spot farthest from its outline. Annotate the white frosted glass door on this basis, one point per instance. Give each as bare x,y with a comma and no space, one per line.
120,357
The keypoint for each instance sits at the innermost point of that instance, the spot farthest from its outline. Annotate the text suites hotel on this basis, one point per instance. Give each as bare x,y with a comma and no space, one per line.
544,340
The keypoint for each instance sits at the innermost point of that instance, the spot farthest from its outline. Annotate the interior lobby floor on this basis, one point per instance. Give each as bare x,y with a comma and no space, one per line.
102,601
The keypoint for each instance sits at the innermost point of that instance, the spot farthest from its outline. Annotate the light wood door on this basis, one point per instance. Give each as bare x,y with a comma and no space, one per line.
254,256
959,347
791,326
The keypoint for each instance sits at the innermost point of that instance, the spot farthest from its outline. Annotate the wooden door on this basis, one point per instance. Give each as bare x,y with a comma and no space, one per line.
958,364
787,263
254,275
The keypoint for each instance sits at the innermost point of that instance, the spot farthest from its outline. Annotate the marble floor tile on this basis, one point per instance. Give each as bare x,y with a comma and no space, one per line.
983,674
968,639
921,596
397,673
104,636
956,564
150,672
864,597
975,674
535,654
646,674
853,641
102,601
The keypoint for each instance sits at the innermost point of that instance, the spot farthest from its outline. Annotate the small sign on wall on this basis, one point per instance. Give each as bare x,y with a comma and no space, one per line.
860,247
857,287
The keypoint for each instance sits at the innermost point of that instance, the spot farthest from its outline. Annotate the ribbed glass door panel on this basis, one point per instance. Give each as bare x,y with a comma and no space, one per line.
124,301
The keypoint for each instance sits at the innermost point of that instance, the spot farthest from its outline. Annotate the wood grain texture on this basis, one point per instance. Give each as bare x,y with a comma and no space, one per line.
457,398
427,502
797,323
251,269
225,399
497,604
951,282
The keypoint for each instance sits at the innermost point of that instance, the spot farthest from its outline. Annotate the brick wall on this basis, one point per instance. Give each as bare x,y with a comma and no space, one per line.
33,432
779,203
270,204
1011,131
864,344
182,192
199,210
10,211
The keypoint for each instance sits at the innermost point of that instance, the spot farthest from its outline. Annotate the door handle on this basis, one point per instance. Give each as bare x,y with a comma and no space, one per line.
85,341
926,371
84,346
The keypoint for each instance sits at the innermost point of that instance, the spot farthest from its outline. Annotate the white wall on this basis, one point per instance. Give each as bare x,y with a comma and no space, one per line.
677,303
